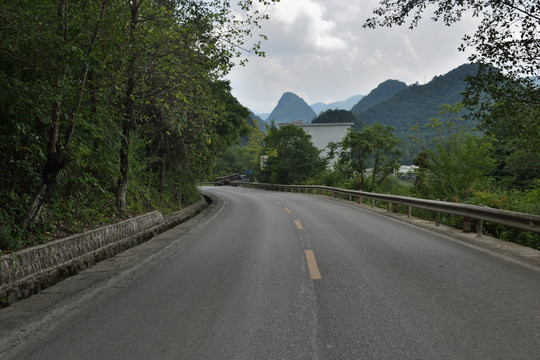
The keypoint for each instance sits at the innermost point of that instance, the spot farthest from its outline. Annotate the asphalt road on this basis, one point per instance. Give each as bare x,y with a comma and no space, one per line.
269,275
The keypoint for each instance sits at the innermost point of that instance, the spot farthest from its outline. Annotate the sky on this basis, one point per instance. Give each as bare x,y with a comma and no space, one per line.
318,50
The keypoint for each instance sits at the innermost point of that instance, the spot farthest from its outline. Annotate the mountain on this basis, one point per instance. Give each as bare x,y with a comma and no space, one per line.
291,108
338,105
417,104
263,115
260,122
383,92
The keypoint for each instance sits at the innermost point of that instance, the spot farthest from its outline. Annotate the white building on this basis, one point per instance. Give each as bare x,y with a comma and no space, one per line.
323,134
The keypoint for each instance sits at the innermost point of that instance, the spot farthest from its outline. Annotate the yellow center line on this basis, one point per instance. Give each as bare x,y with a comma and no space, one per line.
298,225
314,273
277,202
287,210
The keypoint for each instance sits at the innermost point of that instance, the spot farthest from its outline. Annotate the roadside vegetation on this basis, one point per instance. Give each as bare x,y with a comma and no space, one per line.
112,108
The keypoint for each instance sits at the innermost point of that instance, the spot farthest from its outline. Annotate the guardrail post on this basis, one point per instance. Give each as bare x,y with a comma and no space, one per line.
466,224
479,226
409,211
438,218
372,203
388,206
360,200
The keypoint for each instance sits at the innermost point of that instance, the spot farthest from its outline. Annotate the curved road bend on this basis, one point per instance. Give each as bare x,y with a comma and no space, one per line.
269,275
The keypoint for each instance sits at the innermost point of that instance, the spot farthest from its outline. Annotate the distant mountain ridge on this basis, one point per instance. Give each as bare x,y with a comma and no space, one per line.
291,108
382,92
417,104
346,104
393,103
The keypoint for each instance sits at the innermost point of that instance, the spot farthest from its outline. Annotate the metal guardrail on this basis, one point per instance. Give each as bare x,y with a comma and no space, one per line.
513,219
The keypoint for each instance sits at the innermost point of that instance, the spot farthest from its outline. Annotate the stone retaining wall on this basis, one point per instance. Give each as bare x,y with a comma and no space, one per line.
31,270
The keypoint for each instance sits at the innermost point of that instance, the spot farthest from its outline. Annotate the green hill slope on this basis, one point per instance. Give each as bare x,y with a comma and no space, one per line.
383,92
416,104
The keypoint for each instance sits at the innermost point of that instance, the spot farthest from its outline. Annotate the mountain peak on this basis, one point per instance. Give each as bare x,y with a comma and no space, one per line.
291,108
383,91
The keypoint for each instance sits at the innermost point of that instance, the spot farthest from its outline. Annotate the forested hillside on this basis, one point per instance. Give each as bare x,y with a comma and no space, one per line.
416,104
111,108
383,92
410,108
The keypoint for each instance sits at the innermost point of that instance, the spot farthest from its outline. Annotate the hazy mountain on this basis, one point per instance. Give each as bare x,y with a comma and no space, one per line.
260,122
338,105
263,115
383,92
291,108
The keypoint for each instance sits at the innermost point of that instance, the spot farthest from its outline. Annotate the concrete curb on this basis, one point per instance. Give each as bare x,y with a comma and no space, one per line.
29,271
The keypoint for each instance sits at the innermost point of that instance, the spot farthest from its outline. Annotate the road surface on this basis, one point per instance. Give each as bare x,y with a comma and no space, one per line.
270,275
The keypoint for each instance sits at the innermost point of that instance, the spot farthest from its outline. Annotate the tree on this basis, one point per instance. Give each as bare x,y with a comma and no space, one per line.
460,163
83,81
65,46
504,94
375,147
242,156
292,158
193,44
335,116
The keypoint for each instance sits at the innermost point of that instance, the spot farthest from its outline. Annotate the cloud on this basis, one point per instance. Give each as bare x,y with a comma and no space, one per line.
305,21
319,50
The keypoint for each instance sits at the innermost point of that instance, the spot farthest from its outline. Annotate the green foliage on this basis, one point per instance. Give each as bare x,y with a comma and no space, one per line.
96,94
375,147
501,95
514,123
292,158
332,178
412,107
239,158
527,201
335,116
459,165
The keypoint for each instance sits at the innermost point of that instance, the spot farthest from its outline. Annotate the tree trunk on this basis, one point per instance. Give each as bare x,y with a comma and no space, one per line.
124,166
129,114
57,159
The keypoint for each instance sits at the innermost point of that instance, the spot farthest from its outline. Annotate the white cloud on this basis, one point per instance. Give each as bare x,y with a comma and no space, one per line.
319,50
306,18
